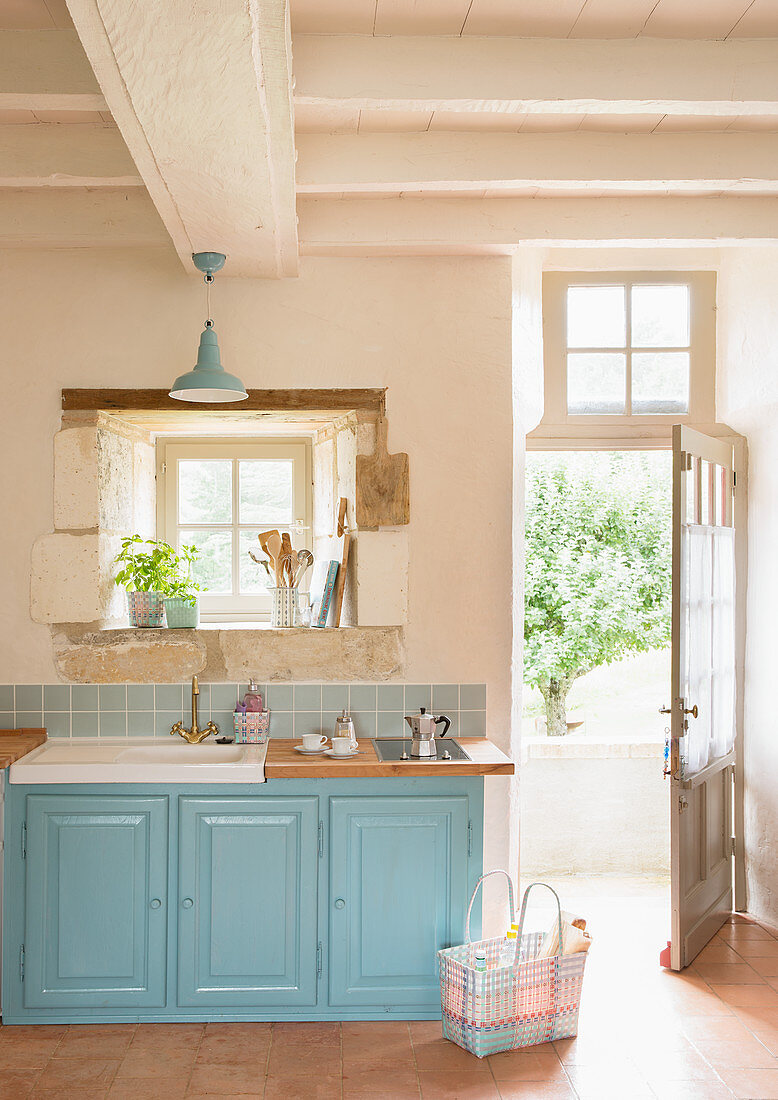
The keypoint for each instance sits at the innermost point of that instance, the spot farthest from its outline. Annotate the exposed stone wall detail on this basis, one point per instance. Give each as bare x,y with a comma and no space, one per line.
72,579
276,656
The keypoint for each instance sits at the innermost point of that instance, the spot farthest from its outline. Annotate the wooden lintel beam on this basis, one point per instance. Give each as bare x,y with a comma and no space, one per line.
102,400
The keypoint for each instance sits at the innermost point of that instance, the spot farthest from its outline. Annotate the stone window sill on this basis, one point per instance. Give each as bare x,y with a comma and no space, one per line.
230,653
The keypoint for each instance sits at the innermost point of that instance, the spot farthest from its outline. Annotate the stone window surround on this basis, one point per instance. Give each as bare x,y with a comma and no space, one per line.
104,488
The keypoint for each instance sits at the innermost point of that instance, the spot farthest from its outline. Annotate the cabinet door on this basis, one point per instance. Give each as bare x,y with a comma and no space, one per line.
398,893
95,931
247,901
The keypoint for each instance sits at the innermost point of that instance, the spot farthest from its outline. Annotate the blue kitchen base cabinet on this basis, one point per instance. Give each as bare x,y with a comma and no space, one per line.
294,900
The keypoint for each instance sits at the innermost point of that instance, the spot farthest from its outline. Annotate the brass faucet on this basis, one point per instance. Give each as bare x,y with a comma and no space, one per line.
194,735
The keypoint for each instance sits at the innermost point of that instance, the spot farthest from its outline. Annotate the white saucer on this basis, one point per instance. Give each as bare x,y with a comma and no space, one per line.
340,755
310,752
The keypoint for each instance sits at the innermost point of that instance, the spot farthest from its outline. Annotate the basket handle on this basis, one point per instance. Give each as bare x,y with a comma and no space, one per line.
498,871
524,910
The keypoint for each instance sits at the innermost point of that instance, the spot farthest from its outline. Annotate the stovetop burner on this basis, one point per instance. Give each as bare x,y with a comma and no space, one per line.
392,748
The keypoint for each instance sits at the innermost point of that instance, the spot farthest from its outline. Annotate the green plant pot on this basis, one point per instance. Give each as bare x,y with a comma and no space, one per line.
181,613
146,609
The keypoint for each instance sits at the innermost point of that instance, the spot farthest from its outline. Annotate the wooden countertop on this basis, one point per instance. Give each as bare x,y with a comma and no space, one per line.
14,744
283,762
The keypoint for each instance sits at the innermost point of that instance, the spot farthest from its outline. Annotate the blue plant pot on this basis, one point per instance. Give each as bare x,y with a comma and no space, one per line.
182,614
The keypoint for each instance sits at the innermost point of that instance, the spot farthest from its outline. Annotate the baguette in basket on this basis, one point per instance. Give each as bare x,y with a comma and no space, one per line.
575,938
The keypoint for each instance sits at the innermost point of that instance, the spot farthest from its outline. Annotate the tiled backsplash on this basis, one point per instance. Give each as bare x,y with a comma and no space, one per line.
146,710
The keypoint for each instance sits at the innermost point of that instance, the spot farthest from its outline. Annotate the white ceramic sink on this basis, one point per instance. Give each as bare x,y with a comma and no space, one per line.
140,760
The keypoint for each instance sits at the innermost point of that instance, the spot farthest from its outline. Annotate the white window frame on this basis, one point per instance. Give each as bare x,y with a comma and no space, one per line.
628,429
220,607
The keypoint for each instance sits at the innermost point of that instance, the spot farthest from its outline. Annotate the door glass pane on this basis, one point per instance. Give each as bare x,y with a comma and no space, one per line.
253,577
596,382
723,706
596,317
214,566
660,381
660,316
697,611
205,491
266,491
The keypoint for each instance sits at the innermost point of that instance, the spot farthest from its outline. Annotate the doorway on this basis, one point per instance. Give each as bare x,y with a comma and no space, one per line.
598,589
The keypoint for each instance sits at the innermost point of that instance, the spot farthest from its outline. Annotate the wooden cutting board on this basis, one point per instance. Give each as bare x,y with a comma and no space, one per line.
383,497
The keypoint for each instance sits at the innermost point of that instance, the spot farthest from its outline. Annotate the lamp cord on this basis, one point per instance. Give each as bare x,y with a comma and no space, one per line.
208,281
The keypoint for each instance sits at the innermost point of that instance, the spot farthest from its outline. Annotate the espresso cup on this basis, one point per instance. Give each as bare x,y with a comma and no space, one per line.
312,741
341,746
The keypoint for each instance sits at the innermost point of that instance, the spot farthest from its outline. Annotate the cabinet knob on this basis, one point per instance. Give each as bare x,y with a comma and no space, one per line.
340,904
155,903
187,903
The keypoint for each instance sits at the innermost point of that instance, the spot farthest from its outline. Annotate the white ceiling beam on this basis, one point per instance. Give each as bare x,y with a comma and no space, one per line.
65,156
461,162
552,76
46,71
201,92
79,218
468,226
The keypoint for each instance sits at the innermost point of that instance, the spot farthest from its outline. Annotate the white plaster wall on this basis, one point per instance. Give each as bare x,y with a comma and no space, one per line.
748,402
436,331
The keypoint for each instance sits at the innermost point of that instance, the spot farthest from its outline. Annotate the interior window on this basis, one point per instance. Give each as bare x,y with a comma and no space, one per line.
218,495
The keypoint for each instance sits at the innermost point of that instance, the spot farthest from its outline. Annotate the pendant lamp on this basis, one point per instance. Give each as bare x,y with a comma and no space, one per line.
209,381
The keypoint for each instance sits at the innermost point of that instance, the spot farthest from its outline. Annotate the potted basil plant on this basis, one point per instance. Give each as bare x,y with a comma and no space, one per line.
147,568
182,604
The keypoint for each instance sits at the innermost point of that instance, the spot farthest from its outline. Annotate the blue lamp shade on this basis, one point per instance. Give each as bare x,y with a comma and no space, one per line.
209,381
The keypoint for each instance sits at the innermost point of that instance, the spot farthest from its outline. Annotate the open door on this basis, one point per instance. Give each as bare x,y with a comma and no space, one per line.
702,723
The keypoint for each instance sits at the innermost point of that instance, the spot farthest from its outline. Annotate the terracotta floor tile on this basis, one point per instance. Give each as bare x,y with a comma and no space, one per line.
75,1073
299,1060
732,932
303,1088
752,1084
378,1085
747,996
441,1054
327,1031
102,1041
535,1090
739,973
248,1030
717,952
32,1031
232,1050
672,1065
207,1080
17,1086
157,1063
738,1053
66,1094
351,1029
460,1085
603,1083
715,1028
148,1088
25,1059
425,1029
184,1036
767,967
691,1090
757,949
513,1066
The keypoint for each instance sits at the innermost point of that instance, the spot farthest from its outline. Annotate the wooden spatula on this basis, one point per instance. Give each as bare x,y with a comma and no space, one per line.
383,498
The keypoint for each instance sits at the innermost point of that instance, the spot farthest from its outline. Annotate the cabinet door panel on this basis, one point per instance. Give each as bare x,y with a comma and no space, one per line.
398,885
247,901
95,905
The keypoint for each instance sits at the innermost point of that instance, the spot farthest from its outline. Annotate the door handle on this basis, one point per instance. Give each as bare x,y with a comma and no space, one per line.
155,903
187,903
693,711
665,710
340,904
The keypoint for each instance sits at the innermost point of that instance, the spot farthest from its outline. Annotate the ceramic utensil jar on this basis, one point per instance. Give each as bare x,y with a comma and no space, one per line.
344,727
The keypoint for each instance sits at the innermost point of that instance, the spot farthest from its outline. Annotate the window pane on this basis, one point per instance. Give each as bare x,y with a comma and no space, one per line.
266,491
214,566
204,491
596,317
660,316
660,381
596,382
253,577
